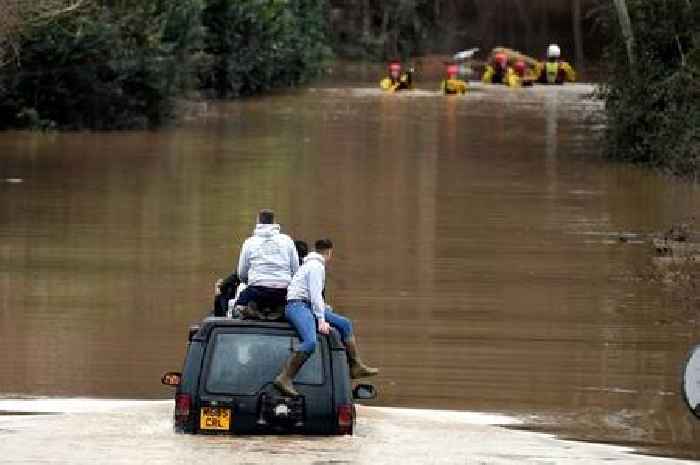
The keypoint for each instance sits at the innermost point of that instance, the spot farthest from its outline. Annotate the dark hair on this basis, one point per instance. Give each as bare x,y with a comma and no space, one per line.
322,245
266,216
230,284
302,249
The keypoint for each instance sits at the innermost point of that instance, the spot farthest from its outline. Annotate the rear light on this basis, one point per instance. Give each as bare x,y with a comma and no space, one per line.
183,403
346,417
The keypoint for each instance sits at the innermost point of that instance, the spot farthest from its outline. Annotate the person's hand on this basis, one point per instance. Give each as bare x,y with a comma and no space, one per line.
324,327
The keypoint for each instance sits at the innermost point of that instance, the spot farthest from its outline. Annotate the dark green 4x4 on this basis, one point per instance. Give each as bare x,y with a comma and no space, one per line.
226,385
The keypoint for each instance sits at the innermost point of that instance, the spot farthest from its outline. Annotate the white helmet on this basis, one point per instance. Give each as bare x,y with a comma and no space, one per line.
553,51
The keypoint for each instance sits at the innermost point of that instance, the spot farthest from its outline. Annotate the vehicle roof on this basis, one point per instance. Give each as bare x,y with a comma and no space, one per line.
210,323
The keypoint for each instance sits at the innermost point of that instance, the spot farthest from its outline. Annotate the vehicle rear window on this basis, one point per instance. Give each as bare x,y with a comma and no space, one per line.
244,363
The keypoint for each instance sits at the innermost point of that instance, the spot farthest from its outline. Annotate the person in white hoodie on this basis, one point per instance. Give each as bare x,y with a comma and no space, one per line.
267,263
307,311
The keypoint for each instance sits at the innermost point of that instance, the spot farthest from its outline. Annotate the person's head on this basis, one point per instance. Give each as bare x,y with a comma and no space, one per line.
452,70
325,248
519,68
302,249
395,70
553,52
266,217
500,60
230,284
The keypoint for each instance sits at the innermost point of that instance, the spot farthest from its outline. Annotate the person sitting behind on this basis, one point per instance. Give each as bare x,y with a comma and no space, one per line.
307,311
452,85
267,263
225,291
498,72
555,70
302,250
397,80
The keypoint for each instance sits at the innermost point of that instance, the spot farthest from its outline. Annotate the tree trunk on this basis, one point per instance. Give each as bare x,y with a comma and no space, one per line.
366,21
578,32
626,26
525,18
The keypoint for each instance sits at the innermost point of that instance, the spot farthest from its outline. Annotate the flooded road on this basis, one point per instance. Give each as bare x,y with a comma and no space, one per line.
478,251
88,431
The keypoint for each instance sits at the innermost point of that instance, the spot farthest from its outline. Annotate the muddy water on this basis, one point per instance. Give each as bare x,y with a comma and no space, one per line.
89,431
477,241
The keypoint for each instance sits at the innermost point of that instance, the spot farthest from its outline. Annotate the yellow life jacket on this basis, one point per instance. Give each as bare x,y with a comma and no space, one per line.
454,86
552,70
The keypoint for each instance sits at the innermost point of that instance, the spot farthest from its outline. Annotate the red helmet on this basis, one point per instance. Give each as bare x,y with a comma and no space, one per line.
394,66
501,59
520,67
452,69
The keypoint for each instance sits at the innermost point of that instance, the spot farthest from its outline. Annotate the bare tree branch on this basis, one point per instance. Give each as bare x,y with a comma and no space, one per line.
16,16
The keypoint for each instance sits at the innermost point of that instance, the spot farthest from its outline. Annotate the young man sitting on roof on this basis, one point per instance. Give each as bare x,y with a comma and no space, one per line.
308,312
267,263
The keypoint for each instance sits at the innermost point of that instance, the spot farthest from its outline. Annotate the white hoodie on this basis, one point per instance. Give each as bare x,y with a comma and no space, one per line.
268,258
308,284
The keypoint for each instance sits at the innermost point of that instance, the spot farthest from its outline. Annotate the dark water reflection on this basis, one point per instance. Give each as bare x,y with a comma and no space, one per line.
476,242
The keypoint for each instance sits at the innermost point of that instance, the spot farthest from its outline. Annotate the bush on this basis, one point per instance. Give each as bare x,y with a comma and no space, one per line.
106,65
117,64
653,106
255,45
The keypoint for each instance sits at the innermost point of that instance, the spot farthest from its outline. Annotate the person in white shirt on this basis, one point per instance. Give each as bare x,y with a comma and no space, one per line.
307,311
266,265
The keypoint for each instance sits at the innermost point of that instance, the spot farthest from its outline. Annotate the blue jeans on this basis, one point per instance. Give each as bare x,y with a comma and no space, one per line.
302,318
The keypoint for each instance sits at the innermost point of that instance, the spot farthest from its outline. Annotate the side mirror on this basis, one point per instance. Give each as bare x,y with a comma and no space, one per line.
171,378
691,381
364,392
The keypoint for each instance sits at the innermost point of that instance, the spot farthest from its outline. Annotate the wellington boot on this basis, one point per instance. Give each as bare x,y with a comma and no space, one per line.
357,367
285,380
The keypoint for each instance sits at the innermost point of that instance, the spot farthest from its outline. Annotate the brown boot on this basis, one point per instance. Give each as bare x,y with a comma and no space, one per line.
285,380
357,368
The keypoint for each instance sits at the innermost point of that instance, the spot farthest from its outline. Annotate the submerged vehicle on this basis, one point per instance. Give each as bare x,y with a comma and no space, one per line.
226,383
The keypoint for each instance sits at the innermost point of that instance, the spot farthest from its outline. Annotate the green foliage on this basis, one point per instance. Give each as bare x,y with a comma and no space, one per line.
116,64
653,106
111,65
254,45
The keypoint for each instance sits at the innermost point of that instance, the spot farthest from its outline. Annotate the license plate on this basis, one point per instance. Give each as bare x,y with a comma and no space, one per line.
215,418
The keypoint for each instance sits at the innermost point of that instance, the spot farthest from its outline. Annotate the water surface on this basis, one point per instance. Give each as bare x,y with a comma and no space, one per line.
477,250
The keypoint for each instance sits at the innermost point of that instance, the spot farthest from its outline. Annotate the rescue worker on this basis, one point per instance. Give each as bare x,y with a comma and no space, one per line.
526,77
307,312
267,263
452,85
397,80
555,70
498,72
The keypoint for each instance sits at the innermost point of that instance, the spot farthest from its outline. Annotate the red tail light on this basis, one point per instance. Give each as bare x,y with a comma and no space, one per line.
346,417
183,403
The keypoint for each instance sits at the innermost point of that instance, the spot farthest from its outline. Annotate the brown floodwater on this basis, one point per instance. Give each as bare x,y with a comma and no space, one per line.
477,242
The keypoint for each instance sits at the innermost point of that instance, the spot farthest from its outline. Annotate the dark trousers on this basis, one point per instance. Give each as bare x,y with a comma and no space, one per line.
264,297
